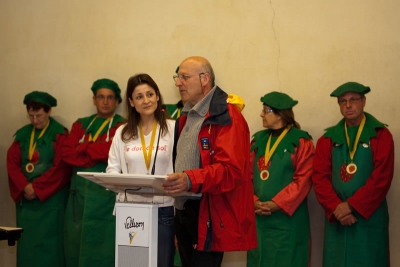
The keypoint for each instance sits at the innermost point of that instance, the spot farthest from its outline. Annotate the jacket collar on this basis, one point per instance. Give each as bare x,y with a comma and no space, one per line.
218,112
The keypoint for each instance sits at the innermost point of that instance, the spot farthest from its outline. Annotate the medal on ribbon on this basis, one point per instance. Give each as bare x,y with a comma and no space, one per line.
264,174
30,167
351,168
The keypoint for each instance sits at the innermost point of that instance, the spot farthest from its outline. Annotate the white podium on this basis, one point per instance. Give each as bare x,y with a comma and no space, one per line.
136,222
136,235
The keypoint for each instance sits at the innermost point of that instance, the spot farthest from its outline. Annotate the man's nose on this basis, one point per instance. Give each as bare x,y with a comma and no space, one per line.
178,82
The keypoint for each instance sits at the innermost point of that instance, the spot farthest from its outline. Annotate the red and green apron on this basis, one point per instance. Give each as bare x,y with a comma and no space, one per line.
283,241
365,243
89,223
42,221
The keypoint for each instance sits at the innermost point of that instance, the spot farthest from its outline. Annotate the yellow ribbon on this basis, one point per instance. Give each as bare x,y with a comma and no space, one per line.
147,155
32,144
269,152
177,110
360,129
96,135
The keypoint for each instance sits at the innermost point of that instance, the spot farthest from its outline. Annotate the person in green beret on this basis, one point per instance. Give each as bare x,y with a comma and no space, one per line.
38,180
89,223
282,157
353,170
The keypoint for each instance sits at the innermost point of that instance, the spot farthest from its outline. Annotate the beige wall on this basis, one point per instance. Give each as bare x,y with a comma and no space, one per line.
303,48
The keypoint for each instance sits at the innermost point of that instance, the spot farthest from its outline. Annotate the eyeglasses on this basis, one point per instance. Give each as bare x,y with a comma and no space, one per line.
351,101
102,97
38,117
183,77
265,111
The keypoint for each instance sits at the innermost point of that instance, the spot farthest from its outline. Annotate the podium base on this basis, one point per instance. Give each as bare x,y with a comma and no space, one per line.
136,235
132,256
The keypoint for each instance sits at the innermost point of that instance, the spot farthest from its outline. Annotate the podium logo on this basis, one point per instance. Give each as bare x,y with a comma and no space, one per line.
130,223
131,236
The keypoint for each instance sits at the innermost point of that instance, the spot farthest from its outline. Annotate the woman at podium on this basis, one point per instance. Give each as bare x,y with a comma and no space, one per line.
144,146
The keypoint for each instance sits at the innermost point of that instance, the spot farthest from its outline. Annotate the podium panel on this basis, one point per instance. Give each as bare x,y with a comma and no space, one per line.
136,235
136,222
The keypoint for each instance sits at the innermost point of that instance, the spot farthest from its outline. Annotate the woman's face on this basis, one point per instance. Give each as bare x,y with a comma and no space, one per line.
39,118
270,119
144,99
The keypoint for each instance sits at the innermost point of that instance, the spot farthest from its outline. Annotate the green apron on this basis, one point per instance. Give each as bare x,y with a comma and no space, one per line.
365,243
283,241
89,223
177,259
41,244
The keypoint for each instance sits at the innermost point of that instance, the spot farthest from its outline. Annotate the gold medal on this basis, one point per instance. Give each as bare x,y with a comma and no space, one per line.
32,146
264,175
351,168
29,167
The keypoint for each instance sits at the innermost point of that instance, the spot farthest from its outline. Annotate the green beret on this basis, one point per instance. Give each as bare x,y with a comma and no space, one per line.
40,97
278,100
351,87
109,84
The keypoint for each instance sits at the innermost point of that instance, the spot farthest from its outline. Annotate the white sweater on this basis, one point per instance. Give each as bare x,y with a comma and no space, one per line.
128,158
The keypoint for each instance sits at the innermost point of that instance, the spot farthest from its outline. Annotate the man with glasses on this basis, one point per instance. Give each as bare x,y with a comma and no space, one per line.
37,179
212,160
353,170
89,223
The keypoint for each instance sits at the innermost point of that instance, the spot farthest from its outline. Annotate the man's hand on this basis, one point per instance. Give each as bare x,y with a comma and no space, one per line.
342,210
29,192
175,183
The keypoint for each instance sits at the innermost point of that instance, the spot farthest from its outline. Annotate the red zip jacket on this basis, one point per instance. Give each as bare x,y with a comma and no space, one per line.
226,216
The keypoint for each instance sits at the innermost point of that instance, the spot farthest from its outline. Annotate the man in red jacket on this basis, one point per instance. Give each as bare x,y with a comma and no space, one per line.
212,159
